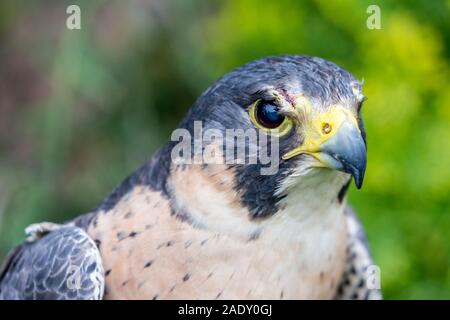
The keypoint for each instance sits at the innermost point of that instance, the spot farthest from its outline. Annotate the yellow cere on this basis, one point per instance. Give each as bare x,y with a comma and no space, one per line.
318,127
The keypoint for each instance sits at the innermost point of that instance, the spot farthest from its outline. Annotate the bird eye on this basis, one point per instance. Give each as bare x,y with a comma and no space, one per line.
267,114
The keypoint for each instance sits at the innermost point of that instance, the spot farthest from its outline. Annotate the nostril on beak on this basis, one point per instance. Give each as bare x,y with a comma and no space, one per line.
326,128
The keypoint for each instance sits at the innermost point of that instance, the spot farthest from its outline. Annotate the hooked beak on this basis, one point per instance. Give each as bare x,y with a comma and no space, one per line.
343,149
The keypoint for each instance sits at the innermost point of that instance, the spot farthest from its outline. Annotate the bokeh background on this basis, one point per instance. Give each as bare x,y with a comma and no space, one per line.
79,110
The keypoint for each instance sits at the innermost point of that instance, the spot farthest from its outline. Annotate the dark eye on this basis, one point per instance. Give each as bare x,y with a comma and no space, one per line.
267,114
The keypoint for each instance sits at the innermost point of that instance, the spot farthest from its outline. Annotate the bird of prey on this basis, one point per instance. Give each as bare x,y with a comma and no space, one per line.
175,230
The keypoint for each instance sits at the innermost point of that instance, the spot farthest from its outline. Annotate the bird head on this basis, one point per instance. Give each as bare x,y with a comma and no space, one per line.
310,105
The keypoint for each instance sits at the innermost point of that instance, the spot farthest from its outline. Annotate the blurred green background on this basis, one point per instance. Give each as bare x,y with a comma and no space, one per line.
79,110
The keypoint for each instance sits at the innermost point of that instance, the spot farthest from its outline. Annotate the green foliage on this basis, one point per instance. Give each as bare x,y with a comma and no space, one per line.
87,107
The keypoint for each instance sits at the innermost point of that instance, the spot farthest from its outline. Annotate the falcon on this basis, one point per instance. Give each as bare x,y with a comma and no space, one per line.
225,230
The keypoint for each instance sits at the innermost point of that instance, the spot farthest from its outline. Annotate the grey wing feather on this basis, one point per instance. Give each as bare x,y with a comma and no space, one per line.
63,264
359,280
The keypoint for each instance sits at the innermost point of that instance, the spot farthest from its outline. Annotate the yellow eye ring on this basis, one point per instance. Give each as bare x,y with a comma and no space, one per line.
282,124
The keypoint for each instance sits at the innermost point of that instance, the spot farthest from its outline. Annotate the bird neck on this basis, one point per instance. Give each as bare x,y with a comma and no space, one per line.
314,194
312,204
206,196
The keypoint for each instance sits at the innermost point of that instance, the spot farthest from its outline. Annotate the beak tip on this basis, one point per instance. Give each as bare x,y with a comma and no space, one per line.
358,183
358,175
